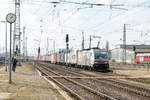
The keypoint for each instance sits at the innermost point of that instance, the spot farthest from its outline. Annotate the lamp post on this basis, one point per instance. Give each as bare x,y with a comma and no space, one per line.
26,50
47,46
38,47
53,44
5,44
10,18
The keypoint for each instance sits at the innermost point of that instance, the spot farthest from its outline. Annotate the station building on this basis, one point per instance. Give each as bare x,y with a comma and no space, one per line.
134,54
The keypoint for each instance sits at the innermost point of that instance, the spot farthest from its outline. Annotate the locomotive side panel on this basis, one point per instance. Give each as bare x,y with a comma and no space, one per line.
72,58
85,58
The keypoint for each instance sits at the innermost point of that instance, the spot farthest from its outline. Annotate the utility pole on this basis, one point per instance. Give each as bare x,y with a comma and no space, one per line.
24,49
67,42
39,53
90,42
82,40
17,33
47,46
98,44
124,44
107,49
67,46
107,46
5,44
54,45
134,49
6,47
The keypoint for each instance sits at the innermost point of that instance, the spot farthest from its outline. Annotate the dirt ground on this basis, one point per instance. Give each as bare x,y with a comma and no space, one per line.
26,85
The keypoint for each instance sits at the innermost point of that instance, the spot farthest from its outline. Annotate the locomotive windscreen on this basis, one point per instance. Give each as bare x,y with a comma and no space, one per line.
100,55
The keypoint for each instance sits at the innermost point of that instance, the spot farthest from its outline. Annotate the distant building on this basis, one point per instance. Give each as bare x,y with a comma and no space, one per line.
134,54
2,54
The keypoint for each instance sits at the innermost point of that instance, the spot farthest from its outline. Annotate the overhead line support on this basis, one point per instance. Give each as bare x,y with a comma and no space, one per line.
17,33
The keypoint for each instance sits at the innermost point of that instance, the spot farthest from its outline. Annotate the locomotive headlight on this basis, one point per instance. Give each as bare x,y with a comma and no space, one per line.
105,62
96,62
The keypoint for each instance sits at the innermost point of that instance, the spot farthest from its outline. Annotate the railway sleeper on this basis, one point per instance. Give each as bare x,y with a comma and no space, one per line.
90,89
106,97
124,88
69,90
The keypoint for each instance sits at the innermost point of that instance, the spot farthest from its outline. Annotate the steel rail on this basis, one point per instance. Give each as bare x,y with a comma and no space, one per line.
124,87
141,80
96,92
89,89
66,88
84,74
138,92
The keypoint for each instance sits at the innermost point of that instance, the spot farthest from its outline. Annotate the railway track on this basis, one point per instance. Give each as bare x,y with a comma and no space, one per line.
106,85
140,80
119,84
78,90
145,81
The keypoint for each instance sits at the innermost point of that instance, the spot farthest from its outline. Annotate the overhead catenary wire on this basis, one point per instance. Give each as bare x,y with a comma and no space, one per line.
47,15
38,1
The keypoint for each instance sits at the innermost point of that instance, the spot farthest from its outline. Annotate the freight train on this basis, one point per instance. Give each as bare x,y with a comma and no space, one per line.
93,59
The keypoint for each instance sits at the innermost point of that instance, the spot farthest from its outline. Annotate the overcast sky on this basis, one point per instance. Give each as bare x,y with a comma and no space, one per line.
64,18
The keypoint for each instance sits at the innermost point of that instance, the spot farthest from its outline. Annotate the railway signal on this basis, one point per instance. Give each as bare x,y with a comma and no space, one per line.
39,52
67,38
67,45
134,49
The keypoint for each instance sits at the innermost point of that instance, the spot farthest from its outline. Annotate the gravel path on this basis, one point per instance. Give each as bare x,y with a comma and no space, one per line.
27,85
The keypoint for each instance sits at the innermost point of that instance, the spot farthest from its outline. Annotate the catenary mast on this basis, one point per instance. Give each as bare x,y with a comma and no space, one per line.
17,33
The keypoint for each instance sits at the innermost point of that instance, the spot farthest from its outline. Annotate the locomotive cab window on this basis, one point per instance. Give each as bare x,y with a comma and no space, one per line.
100,55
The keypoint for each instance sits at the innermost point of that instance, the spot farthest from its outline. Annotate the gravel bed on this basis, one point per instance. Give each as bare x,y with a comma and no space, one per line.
80,90
114,87
141,80
112,91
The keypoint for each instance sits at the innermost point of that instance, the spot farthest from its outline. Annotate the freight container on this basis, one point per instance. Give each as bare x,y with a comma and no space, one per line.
62,57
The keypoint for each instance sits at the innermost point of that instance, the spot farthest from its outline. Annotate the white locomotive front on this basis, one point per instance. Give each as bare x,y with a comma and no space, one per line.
93,59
